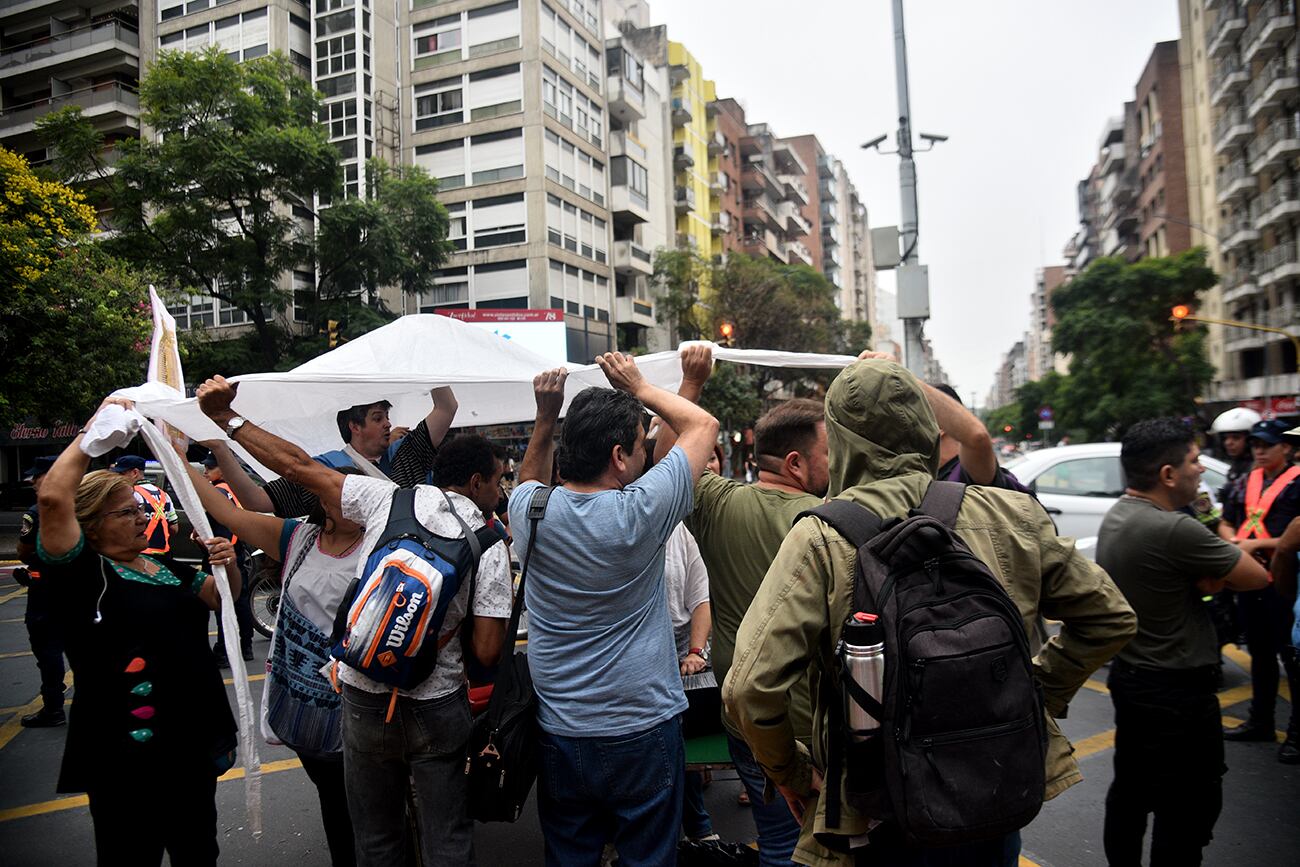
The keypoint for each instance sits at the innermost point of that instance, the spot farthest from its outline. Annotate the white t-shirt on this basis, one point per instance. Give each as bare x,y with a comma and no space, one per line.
367,501
686,582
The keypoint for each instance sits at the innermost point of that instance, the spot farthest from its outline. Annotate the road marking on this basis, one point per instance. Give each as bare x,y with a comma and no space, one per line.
28,810
1236,695
14,724
230,681
21,591
1233,721
13,620
1097,743
15,654
1025,862
1097,686
1242,658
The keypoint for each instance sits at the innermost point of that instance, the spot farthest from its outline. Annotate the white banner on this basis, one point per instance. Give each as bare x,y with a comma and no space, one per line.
165,358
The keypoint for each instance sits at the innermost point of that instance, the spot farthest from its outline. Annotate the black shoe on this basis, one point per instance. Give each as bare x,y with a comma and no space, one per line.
222,661
45,718
1289,752
247,653
1250,731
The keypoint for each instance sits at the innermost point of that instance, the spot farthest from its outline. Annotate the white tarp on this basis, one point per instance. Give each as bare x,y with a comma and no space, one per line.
401,363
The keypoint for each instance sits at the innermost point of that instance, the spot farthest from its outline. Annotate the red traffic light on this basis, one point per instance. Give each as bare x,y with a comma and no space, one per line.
1182,311
726,329
1006,428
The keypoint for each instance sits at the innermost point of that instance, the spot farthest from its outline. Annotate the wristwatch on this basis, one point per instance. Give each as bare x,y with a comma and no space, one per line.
233,424
698,651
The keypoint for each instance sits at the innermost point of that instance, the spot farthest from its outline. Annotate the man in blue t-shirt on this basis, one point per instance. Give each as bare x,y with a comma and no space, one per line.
600,642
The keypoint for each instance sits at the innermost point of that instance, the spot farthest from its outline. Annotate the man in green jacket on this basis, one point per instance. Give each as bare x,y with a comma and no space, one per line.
883,443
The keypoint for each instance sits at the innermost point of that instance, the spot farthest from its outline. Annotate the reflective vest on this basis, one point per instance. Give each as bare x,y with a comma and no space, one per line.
158,517
1259,501
222,486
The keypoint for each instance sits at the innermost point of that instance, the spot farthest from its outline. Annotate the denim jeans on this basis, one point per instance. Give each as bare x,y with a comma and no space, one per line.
696,823
778,832
625,790
1168,763
424,745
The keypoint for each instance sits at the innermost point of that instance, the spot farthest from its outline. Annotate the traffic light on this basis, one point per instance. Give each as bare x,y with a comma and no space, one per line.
332,329
1178,314
1006,428
726,334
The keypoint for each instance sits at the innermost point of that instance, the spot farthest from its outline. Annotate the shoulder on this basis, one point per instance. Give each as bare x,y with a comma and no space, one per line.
441,501
986,507
711,486
364,494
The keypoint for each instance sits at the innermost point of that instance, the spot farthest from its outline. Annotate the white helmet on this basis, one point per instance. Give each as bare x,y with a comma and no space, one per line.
1236,420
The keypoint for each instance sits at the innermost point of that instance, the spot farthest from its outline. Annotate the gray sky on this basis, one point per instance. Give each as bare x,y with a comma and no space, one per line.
1022,87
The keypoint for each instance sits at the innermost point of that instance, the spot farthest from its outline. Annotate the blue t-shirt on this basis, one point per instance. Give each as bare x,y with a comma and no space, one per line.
600,642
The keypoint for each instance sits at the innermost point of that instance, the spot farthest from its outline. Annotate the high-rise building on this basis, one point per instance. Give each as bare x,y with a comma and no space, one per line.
692,126
1249,61
724,146
1164,222
56,53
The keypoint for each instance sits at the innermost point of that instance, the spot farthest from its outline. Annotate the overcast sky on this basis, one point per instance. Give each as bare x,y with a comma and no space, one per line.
1022,87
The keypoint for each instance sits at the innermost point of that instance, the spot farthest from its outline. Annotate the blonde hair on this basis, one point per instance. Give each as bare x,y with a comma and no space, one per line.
95,490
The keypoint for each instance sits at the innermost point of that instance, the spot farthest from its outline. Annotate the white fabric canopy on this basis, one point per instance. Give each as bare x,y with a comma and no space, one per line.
401,362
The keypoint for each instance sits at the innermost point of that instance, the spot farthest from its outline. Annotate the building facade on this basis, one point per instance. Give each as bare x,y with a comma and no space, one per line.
691,121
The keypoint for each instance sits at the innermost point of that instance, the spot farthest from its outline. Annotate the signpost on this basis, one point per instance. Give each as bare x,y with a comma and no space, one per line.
1046,420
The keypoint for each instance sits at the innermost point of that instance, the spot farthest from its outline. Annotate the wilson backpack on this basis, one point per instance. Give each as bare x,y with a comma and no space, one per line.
390,618
960,754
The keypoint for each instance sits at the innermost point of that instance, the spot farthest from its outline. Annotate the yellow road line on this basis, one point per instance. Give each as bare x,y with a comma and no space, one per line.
13,620
1097,743
28,810
1025,862
14,724
1233,721
15,654
1236,695
1242,658
1096,686
230,680
21,591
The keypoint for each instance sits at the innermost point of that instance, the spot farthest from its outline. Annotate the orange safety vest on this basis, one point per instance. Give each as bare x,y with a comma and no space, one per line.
159,506
222,486
1257,506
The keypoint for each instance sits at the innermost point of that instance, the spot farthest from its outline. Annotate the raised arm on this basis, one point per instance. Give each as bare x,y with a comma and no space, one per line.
697,367
287,459
697,431
56,503
439,419
259,531
548,391
975,445
249,492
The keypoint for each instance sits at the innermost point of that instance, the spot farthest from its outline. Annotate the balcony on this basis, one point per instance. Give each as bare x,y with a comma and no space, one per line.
683,199
721,224
794,189
1274,22
1228,25
85,42
763,244
626,205
1278,264
101,102
1235,180
1228,79
787,160
1274,146
797,253
792,222
682,159
630,310
677,73
717,144
1278,205
1112,159
825,168
631,258
1241,230
626,102
757,176
1238,284
1275,84
717,183
759,211
681,112
623,144
1231,129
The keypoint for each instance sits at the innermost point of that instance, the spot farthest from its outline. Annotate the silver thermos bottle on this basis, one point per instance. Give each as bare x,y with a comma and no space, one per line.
863,642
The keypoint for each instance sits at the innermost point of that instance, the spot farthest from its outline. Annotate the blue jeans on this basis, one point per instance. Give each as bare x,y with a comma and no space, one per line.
778,832
696,823
625,790
423,744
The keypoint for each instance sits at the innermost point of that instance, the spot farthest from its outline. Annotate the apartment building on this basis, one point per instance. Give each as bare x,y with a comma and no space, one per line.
725,187
846,256
1249,60
1040,358
56,53
1164,221
691,120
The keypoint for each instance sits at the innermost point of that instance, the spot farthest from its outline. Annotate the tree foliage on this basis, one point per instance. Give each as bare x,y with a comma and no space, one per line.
37,218
1127,361
221,200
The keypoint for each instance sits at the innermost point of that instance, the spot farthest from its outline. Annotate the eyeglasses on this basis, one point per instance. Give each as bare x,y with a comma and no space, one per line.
129,512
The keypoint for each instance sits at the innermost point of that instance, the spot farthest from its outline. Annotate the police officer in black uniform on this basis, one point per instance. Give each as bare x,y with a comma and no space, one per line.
47,646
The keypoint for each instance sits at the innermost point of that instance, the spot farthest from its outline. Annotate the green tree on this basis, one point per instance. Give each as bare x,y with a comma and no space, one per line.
1128,363
731,395
37,218
679,277
220,202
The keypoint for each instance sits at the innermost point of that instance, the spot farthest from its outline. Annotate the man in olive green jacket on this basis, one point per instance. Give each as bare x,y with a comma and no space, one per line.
883,454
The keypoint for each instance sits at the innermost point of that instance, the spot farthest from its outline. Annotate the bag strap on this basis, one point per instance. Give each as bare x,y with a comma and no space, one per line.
401,518
310,533
859,525
943,501
536,511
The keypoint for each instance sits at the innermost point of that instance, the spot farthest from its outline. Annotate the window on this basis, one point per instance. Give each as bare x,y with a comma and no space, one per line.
560,100
444,161
299,41
456,226
1083,477
494,92
500,280
570,48
331,5
626,172
492,28
497,156
337,86
339,22
241,37
451,289
437,41
169,9
498,221
336,55
576,230
340,118
304,294
439,103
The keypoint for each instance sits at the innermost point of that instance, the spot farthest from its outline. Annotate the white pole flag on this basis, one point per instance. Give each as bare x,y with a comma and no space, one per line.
165,359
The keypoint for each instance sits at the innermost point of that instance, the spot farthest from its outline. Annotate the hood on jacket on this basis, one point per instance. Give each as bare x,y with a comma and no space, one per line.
879,426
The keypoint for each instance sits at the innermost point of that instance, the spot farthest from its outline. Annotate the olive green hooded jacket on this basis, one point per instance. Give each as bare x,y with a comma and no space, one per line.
884,446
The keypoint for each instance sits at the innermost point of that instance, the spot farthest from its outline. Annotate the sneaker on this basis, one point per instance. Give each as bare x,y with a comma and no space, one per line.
45,718
1249,732
1289,752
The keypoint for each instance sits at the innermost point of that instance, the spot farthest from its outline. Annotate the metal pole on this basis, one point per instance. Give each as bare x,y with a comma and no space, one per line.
912,328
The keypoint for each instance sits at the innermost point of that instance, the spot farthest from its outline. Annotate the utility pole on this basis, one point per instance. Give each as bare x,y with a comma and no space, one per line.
913,325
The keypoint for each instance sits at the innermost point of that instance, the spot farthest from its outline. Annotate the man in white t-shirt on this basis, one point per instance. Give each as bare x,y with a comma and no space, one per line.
426,737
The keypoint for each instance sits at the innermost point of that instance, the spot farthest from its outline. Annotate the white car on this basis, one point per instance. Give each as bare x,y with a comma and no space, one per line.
1078,484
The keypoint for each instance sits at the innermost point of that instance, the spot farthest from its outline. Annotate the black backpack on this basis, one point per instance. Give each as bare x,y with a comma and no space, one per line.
960,755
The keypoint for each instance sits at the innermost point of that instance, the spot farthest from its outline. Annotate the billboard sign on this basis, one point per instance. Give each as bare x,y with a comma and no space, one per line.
541,331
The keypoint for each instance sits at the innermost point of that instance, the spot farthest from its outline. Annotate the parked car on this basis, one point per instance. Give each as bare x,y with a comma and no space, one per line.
1078,484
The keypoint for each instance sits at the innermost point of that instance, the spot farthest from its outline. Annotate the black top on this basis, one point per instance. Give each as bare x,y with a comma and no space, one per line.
38,604
410,466
1285,508
149,699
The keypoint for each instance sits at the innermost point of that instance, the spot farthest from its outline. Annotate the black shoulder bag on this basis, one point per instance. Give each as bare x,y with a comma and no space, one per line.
502,762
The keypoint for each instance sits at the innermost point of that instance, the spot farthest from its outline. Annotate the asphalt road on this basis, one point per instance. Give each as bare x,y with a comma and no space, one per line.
1258,827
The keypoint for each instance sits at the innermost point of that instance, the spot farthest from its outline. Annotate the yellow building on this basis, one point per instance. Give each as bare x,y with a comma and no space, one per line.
691,95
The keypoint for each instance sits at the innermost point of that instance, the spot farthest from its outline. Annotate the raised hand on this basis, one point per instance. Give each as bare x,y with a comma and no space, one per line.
215,396
621,371
697,363
548,391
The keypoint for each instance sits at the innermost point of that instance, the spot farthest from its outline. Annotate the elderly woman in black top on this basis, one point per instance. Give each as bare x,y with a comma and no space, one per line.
150,729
